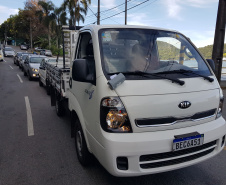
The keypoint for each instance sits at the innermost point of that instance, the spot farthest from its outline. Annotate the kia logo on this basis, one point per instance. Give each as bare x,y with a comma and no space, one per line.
184,104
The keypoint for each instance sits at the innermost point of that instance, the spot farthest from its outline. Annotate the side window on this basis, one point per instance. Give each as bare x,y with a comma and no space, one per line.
85,46
85,51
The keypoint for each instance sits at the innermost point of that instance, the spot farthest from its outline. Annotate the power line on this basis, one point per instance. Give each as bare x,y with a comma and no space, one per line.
110,17
115,7
91,10
109,11
145,6
124,10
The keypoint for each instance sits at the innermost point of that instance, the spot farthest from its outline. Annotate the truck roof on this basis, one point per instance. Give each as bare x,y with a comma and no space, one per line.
95,28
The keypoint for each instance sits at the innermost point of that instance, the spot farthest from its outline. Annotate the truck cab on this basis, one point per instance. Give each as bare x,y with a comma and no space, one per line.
143,100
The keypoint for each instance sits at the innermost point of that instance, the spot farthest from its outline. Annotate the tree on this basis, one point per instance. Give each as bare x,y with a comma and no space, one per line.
61,19
77,9
47,16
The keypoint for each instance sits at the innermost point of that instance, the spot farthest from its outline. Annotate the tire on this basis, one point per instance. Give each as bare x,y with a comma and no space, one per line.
59,107
25,74
40,83
29,76
47,88
83,154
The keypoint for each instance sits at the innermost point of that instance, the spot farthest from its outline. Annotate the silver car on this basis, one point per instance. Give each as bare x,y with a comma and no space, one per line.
31,66
1,55
22,59
8,51
46,52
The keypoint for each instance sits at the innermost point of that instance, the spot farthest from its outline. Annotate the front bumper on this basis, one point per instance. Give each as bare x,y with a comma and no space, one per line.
34,74
134,145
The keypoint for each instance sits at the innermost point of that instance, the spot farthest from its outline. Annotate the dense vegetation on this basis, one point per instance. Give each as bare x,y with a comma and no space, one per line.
39,23
207,51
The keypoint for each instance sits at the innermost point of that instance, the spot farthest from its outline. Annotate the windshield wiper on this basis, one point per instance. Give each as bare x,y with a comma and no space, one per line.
144,74
182,71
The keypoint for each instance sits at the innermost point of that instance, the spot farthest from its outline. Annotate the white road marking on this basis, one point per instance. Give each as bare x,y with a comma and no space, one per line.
30,127
10,66
20,78
4,60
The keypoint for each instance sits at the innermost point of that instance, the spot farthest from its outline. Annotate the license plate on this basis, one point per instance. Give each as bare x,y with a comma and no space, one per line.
188,142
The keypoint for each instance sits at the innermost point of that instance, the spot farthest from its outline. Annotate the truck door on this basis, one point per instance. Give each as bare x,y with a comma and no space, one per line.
85,92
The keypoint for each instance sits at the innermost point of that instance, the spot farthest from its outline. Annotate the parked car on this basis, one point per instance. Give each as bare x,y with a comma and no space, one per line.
31,66
24,47
22,59
46,52
8,51
16,57
38,49
1,55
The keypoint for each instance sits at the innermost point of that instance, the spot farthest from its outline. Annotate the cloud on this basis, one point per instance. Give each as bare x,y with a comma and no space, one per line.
200,39
141,19
108,3
5,12
174,7
199,3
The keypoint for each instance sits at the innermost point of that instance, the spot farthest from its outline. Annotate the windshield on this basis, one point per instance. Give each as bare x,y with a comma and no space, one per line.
150,51
24,57
36,60
8,49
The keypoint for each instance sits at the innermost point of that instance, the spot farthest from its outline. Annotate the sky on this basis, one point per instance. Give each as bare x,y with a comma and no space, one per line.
194,18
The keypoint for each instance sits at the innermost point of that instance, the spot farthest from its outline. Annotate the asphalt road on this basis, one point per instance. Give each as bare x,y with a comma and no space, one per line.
47,155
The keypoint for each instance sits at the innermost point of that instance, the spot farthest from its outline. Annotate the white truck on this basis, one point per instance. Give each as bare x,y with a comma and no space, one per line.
143,100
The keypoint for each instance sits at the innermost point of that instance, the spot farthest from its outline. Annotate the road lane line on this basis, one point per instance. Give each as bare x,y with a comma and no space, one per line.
20,78
10,66
30,127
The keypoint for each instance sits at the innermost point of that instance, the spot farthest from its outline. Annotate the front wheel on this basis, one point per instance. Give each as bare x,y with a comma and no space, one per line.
47,88
29,76
40,83
83,154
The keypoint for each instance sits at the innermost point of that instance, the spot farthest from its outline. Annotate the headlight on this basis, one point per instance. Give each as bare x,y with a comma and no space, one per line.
220,108
113,116
36,70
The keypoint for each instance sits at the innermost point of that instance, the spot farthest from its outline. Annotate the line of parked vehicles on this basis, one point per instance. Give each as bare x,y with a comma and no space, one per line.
29,63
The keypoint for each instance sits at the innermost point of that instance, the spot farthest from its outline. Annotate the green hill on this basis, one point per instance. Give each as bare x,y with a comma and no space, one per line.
207,51
168,51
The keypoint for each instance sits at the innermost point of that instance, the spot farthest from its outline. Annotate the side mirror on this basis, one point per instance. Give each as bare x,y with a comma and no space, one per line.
80,71
41,67
211,63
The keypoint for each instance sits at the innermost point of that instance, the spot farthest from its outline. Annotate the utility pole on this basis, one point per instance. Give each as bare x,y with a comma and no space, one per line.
98,13
125,12
31,34
218,45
